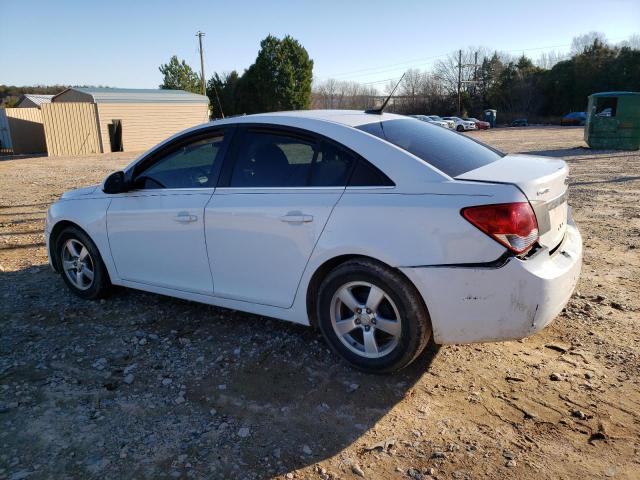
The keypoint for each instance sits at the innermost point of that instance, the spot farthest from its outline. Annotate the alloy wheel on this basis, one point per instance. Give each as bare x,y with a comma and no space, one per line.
365,319
77,264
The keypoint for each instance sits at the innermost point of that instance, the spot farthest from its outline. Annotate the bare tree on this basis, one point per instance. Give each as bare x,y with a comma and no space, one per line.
579,43
632,42
547,60
336,94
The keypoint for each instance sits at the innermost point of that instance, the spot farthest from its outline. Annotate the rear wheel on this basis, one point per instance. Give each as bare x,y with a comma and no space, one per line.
80,264
372,316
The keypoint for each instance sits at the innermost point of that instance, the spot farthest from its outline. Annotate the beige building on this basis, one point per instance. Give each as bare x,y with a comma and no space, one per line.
98,120
21,128
21,131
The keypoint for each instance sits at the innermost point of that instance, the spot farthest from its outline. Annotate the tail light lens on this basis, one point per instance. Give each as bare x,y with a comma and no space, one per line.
514,225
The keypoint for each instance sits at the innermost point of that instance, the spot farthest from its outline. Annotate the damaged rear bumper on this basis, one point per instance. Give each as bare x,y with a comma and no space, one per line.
517,299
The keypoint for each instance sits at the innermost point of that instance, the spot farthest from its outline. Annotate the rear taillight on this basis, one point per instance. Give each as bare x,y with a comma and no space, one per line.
513,225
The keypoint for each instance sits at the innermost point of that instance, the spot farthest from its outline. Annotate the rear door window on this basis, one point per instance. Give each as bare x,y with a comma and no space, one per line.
449,152
273,159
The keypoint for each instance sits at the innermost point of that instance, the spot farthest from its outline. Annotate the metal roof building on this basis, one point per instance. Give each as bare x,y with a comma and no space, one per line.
128,95
83,120
33,100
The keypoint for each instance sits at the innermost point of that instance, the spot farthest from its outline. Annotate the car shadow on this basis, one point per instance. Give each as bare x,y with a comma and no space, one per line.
611,180
574,152
236,395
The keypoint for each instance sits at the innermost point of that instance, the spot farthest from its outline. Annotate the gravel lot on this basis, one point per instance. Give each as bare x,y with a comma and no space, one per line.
145,386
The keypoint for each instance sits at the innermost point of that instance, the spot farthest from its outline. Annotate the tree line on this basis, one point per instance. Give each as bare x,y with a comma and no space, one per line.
281,79
553,86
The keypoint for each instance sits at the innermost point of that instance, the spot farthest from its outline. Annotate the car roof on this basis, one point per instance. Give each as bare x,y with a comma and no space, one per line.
351,118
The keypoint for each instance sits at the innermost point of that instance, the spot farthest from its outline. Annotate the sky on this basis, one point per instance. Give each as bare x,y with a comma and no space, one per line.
121,43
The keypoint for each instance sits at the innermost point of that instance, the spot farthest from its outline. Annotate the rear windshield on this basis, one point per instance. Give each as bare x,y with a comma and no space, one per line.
450,152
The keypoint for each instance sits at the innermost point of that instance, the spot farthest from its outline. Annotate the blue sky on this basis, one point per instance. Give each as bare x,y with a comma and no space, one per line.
122,43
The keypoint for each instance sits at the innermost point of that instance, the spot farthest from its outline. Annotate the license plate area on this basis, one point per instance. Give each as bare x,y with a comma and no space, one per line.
558,219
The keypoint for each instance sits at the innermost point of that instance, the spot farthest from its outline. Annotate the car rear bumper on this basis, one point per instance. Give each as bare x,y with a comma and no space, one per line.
517,299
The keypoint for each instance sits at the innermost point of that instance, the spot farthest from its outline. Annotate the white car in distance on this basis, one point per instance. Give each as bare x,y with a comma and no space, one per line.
383,231
449,123
425,118
462,125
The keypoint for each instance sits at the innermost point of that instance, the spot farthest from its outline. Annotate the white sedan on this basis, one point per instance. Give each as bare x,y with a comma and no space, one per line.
381,230
425,118
447,123
462,125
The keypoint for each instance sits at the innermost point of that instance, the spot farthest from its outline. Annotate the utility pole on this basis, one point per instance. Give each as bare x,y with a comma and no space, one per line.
475,72
200,35
459,81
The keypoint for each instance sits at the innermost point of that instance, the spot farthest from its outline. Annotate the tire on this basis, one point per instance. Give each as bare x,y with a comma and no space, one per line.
360,338
89,278
460,128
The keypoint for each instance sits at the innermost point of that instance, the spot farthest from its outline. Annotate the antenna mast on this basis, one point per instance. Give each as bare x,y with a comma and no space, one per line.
378,111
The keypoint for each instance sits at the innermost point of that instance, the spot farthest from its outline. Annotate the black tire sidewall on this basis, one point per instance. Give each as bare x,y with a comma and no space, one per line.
101,282
410,343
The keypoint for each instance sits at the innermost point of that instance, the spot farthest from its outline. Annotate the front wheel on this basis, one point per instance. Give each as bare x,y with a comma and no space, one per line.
372,316
460,128
80,264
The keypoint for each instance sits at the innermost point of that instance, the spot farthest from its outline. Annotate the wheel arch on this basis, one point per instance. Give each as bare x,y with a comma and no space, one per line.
57,229
323,270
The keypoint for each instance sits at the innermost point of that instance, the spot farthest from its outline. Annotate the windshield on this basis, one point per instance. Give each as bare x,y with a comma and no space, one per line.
450,152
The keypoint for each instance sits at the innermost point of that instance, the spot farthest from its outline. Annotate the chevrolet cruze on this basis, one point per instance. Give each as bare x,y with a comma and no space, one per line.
381,230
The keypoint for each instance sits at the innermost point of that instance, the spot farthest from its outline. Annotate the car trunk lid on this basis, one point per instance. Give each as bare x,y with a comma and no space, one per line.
543,181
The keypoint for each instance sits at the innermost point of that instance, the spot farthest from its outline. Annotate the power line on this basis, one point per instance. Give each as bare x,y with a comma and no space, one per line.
418,62
422,60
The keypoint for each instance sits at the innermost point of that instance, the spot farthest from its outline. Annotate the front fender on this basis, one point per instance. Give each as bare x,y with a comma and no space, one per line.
89,214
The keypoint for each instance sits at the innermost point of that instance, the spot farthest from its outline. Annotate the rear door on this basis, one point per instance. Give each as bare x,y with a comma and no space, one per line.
269,210
156,231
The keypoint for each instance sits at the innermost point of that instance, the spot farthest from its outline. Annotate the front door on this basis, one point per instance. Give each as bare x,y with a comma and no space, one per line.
262,226
156,231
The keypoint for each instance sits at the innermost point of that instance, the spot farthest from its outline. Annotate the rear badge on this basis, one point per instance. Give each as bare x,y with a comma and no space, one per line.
542,192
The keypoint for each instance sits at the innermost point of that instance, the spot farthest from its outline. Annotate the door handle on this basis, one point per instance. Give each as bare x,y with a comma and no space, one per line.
296,217
185,217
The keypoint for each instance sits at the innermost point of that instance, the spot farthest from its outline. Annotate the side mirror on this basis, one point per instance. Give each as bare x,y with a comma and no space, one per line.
115,183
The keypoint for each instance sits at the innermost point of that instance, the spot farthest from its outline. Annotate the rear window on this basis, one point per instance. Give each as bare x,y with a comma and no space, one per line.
450,152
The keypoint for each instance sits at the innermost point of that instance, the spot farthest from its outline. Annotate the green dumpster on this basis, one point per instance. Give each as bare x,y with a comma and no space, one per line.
613,121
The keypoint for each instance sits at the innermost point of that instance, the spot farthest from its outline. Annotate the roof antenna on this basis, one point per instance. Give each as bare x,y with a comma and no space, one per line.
378,111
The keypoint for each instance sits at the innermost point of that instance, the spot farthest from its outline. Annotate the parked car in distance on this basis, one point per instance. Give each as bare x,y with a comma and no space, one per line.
460,124
450,123
383,231
480,124
520,122
425,118
574,118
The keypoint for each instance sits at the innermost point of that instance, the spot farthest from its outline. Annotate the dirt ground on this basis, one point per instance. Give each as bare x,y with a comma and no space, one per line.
145,386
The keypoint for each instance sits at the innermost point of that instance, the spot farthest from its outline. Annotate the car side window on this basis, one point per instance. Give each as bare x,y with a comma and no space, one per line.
332,167
192,165
367,175
273,159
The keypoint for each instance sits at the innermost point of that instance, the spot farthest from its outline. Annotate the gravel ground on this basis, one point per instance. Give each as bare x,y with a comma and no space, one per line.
145,386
